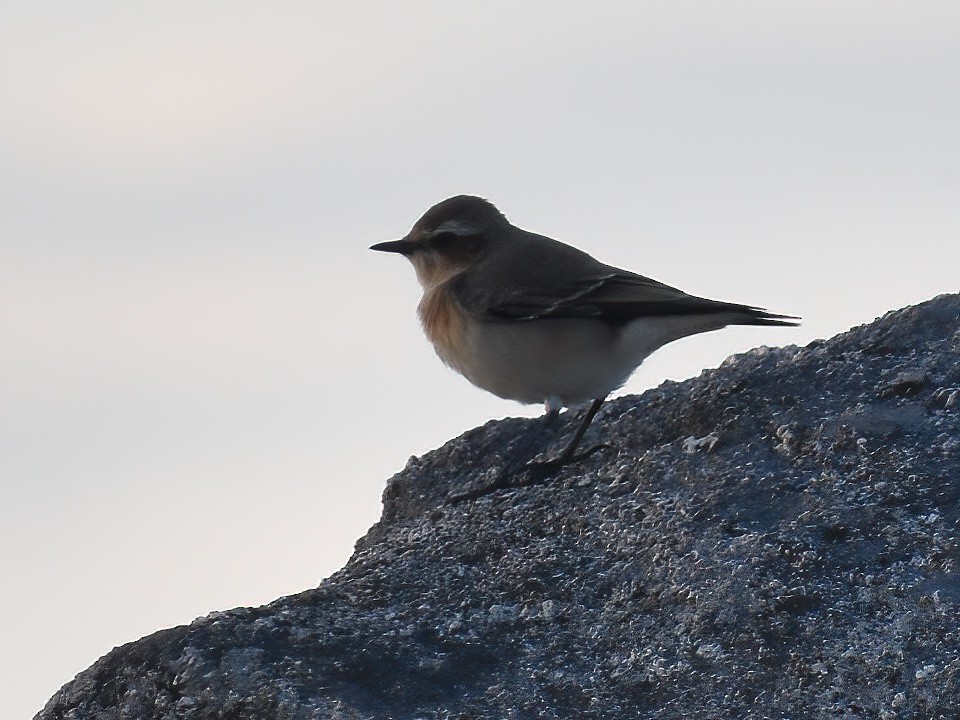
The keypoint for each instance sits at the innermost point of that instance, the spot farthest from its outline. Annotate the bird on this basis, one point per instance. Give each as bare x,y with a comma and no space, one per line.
532,319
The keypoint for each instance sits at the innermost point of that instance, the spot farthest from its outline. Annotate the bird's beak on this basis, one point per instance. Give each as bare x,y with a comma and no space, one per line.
404,246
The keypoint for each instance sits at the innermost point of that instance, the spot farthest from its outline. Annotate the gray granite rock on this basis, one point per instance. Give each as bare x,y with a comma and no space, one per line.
776,538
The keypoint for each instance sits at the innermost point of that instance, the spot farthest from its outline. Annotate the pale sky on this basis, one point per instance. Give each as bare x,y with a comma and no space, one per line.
205,376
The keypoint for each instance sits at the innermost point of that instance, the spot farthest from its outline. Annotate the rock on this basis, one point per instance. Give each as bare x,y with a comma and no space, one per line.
906,383
803,564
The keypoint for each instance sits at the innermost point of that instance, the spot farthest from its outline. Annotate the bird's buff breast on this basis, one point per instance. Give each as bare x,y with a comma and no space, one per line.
573,360
444,324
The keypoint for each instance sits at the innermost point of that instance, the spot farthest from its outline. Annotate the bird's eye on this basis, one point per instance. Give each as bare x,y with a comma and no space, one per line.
455,242
443,238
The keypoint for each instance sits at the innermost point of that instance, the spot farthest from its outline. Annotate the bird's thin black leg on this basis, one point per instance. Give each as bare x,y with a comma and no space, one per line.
533,444
537,472
568,454
519,460
540,471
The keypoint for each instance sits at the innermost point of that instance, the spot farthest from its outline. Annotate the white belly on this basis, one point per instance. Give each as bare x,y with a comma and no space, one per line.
570,360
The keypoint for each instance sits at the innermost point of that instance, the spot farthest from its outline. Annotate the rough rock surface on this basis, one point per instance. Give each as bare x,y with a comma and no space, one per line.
776,538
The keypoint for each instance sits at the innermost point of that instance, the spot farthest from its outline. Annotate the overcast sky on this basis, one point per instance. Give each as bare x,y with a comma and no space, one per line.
205,376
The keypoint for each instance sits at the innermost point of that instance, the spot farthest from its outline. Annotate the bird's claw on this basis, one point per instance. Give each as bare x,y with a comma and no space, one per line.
544,469
537,471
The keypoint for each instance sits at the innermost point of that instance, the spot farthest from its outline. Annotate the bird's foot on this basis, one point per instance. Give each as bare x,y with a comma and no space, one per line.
533,472
455,498
543,470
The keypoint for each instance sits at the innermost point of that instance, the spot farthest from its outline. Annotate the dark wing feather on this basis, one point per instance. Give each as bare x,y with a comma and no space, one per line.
551,280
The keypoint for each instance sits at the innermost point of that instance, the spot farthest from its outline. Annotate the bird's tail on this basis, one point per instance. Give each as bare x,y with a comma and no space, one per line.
726,313
746,315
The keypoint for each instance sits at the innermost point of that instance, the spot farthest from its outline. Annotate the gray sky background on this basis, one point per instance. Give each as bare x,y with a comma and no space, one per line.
205,376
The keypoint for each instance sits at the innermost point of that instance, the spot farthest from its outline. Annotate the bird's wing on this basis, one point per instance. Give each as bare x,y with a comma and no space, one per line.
559,281
616,298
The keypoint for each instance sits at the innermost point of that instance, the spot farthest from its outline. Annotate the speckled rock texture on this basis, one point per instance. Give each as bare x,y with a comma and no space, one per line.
776,538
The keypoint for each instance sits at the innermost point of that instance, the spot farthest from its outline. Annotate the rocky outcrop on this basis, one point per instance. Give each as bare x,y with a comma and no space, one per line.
775,538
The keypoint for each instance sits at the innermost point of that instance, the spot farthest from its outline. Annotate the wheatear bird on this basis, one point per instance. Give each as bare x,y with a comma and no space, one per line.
531,319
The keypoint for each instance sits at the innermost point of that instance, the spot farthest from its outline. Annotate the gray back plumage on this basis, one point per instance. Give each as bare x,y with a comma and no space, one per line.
524,276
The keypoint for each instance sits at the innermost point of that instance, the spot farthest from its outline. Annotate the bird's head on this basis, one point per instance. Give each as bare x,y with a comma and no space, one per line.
450,237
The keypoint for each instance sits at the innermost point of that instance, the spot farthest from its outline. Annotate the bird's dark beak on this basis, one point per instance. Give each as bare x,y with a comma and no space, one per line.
404,246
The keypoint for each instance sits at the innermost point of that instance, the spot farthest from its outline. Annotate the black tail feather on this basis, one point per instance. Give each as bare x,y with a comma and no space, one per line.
759,316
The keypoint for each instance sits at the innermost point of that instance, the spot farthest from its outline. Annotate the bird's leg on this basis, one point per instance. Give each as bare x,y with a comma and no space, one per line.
568,454
531,447
520,459
540,471
523,460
